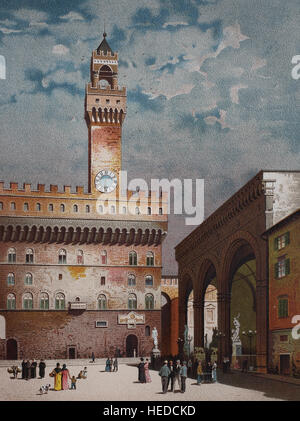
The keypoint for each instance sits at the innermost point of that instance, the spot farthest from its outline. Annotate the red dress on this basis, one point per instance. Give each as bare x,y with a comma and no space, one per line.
65,375
147,374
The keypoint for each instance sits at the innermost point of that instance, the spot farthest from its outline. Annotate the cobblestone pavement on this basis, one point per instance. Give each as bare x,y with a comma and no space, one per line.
123,386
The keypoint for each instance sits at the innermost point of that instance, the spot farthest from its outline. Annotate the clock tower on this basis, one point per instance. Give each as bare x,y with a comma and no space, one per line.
105,110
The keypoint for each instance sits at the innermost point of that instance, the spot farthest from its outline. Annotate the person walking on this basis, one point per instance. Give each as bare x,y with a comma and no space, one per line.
42,367
33,369
199,373
141,368
111,365
65,375
214,372
189,367
147,373
164,373
177,375
73,383
183,376
107,365
171,375
116,366
93,357
56,373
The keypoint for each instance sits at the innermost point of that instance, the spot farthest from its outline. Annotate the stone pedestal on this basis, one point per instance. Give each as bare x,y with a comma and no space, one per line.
236,352
155,358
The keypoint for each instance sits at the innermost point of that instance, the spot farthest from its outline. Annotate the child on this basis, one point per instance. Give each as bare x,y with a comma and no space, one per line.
84,373
73,382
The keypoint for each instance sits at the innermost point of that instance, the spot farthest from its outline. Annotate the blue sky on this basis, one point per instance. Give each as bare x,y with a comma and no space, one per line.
210,92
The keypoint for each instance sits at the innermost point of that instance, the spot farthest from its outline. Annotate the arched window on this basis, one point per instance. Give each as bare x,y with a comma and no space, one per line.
62,207
50,207
87,208
29,256
150,258
44,301
26,207
131,280
59,301
28,279
38,207
132,302
160,211
12,206
137,210
147,331
149,281
124,210
10,279
102,302
11,302
149,211
75,208
113,209
77,299
11,255
1,206
132,258
62,257
149,302
80,257
103,257
27,301
100,209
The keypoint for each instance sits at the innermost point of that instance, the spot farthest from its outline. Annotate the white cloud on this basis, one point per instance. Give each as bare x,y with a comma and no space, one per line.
72,16
234,92
60,49
7,31
2,67
211,120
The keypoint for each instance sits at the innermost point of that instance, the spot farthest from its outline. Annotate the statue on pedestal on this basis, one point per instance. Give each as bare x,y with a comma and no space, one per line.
155,338
236,342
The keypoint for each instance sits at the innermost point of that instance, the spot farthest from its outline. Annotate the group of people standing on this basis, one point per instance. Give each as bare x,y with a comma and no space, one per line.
111,365
173,374
144,374
206,372
62,377
29,369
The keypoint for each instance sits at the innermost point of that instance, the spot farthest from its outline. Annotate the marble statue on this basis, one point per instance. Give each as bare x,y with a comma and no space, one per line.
155,337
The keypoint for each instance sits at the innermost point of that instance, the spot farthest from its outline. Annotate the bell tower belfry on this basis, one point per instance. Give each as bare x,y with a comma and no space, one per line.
105,110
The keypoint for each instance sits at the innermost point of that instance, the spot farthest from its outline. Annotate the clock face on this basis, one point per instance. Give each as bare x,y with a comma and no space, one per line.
106,181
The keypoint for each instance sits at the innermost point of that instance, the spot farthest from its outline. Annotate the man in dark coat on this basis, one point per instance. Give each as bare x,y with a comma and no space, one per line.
23,369
33,369
171,375
42,367
27,370
141,367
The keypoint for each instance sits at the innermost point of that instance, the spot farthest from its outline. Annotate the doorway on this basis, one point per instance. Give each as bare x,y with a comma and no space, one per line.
72,353
11,349
285,365
131,346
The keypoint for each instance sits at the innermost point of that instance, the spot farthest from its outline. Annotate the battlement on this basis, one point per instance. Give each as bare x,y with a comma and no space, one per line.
66,191
108,90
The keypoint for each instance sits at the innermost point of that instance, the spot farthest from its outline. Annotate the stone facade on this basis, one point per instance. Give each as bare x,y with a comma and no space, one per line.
228,238
284,294
71,258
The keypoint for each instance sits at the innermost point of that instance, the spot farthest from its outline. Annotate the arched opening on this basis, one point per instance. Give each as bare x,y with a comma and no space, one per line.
11,349
131,346
243,309
165,324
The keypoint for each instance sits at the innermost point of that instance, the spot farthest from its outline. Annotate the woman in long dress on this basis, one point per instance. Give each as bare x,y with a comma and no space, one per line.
57,377
147,373
107,366
65,375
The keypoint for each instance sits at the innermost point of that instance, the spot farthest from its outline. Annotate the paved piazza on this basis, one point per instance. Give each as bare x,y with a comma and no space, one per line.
123,386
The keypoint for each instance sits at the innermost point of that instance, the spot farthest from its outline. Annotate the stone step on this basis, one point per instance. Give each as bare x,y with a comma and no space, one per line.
73,362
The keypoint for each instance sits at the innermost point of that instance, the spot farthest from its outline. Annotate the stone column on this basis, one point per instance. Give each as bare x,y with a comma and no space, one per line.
198,323
224,342
262,325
